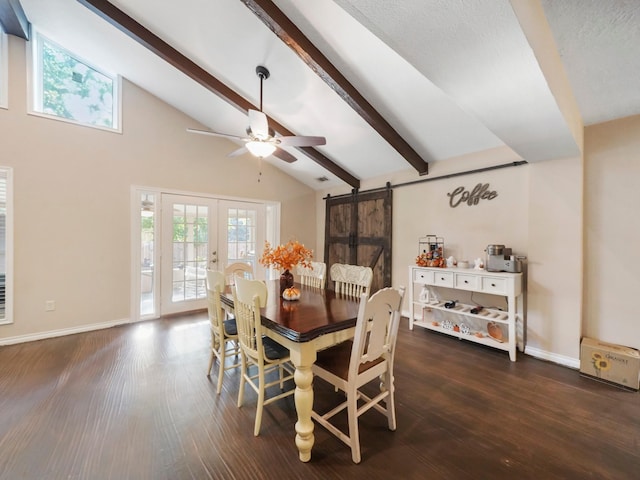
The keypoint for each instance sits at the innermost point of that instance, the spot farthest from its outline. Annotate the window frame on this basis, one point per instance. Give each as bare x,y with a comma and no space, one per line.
4,69
35,85
8,302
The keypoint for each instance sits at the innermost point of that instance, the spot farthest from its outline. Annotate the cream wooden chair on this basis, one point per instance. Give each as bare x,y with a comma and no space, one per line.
315,276
258,350
224,334
352,280
352,364
242,269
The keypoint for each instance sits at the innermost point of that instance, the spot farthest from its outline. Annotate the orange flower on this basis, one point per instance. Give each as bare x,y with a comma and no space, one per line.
285,257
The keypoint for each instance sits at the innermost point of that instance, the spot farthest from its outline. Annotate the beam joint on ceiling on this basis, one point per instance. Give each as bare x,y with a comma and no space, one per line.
291,35
120,20
13,19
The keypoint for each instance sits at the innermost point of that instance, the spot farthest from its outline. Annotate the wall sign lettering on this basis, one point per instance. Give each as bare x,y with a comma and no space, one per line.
471,198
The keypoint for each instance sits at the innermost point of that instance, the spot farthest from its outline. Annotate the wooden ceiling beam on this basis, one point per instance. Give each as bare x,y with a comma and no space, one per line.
13,19
290,34
155,44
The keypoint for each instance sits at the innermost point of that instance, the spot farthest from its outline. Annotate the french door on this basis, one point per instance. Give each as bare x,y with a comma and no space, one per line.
189,247
180,236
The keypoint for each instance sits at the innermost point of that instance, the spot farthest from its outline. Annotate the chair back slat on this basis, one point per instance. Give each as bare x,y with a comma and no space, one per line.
238,269
351,280
376,328
315,276
248,297
215,287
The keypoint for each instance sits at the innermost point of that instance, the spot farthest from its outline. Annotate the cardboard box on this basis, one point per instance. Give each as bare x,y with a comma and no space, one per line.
610,363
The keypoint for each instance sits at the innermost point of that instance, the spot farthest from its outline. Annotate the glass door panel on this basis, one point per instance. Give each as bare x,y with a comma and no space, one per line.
189,236
148,263
243,224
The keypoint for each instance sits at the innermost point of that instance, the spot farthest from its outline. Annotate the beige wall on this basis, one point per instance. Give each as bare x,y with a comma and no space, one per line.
538,213
423,209
72,200
554,288
612,231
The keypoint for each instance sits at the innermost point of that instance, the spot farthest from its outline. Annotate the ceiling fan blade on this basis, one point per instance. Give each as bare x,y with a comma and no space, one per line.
215,134
284,155
258,124
301,141
237,152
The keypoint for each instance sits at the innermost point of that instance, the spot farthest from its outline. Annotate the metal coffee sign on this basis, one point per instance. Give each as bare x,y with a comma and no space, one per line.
471,197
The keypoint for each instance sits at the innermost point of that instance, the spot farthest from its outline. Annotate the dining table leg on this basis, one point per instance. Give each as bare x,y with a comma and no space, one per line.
303,358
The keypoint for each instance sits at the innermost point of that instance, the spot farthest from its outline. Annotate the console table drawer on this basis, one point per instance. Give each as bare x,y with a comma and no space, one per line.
443,279
466,282
494,285
423,276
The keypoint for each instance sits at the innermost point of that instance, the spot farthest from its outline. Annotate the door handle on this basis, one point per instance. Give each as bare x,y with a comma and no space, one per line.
214,257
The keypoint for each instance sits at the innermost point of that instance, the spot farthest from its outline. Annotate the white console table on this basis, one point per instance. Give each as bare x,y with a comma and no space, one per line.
431,288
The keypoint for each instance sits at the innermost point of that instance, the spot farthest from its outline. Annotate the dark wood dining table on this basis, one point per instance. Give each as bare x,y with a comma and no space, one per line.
318,320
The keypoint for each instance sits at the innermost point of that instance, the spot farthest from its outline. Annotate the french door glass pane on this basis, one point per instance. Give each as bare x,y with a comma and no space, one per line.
241,236
190,237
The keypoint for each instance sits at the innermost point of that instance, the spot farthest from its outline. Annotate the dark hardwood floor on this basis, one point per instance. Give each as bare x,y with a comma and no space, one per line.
133,402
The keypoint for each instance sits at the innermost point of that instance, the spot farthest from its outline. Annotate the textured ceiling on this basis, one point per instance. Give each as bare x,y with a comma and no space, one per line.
599,44
452,77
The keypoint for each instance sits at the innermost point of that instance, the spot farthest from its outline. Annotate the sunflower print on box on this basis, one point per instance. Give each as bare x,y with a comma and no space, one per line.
600,362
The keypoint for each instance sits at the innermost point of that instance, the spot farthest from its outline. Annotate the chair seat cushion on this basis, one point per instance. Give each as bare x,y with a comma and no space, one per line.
230,327
336,360
273,350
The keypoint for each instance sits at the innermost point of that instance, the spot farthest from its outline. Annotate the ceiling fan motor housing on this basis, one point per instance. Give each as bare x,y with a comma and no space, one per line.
262,72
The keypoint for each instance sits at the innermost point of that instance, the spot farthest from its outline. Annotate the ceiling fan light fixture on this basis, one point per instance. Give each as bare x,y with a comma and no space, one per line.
260,149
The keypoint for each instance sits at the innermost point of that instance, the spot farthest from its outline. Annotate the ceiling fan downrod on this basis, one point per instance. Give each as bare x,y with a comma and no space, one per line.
263,74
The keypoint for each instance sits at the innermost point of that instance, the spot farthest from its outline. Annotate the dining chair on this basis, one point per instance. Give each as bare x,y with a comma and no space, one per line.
224,333
350,365
242,269
256,349
353,280
313,276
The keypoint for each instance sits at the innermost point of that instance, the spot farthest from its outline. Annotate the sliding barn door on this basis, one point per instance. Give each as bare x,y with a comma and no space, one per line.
358,232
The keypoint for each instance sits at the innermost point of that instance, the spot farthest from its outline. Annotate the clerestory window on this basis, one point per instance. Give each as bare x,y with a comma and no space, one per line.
69,88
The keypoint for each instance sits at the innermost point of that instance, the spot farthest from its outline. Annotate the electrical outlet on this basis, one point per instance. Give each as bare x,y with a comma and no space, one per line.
49,305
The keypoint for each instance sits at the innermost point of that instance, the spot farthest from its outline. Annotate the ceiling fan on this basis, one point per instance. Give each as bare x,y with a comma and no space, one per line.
261,140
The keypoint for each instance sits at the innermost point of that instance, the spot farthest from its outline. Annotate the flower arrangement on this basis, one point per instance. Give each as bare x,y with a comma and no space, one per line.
287,256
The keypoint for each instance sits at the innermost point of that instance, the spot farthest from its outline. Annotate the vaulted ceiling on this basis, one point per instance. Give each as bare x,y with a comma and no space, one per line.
392,85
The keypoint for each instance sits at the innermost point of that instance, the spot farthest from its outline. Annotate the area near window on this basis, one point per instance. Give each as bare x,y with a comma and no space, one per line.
6,245
4,70
180,236
68,88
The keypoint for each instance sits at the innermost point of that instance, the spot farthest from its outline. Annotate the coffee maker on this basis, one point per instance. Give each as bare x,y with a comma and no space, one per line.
501,259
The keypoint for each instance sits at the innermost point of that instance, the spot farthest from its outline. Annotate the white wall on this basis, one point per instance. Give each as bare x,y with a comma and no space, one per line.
72,200
612,231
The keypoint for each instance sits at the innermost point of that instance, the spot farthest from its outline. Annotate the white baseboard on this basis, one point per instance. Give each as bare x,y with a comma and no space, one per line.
553,357
63,331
